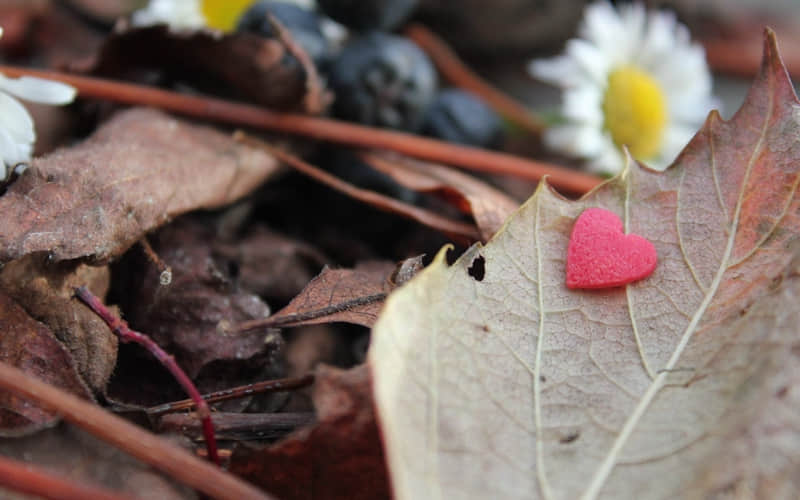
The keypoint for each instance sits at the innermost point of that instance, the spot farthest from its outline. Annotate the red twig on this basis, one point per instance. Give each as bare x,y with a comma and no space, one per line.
27,478
125,334
147,447
568,180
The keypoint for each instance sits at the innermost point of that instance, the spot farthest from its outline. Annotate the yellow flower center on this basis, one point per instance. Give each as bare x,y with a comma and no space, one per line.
223,14
635,111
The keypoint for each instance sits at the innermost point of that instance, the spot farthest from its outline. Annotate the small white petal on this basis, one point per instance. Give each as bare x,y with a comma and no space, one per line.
602,26
38,90
177,14
584,104
593,61
608,161
11,154
15,120
559,71
577,140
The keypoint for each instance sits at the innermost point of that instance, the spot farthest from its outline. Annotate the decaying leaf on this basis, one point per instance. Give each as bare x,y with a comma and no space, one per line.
489,206
30,346
133,174
45,290
505,384
259,69
340,457
269,264
347,295
184,316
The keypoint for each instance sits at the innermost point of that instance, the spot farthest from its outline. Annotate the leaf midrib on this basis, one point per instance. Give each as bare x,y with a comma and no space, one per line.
610,461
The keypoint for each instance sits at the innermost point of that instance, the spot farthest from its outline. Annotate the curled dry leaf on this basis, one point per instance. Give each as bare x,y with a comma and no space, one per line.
259,69
133,174
347,295
70,452
30,346
504,383
489,206
340,457
45,291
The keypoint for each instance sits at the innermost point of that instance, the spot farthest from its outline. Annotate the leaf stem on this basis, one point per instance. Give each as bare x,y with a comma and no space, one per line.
145,446
125,334
568,180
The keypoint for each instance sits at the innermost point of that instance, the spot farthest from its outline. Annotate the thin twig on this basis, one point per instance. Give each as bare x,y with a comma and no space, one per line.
164,271
151,449
316,99
453,228
24,477
125,334
278,385
565,179
460,75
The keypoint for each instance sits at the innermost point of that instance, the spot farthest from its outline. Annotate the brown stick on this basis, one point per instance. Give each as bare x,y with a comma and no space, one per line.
568,180
455,229
151,449
23,477
460,75
277,385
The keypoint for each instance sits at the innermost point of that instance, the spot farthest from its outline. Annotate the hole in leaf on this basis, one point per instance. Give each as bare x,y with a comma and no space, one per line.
478,268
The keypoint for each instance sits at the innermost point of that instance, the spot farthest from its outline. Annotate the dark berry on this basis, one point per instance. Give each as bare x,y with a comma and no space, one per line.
364,15
461,117
304,26
383,80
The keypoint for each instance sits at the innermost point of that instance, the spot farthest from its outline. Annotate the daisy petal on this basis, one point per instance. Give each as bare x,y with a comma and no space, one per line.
15,120
38,89
578,140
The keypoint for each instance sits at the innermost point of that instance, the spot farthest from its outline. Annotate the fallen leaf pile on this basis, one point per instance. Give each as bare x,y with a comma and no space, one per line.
287,276
682,385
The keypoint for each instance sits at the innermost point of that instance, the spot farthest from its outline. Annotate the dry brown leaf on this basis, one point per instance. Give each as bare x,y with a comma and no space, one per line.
271,265
45,290
340,457
133,174
183,317
31,347
505,384
489,206
346,295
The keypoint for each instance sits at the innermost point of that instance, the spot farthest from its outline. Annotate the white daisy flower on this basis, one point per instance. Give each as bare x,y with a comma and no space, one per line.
633,79
179,15
17,134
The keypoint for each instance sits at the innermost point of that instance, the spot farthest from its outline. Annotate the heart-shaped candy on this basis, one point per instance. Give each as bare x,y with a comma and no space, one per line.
600,255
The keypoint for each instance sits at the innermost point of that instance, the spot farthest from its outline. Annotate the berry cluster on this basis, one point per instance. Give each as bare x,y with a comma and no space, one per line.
378,78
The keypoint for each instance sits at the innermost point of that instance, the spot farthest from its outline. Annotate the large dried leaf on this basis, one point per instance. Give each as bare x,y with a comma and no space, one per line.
135,173
493,380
